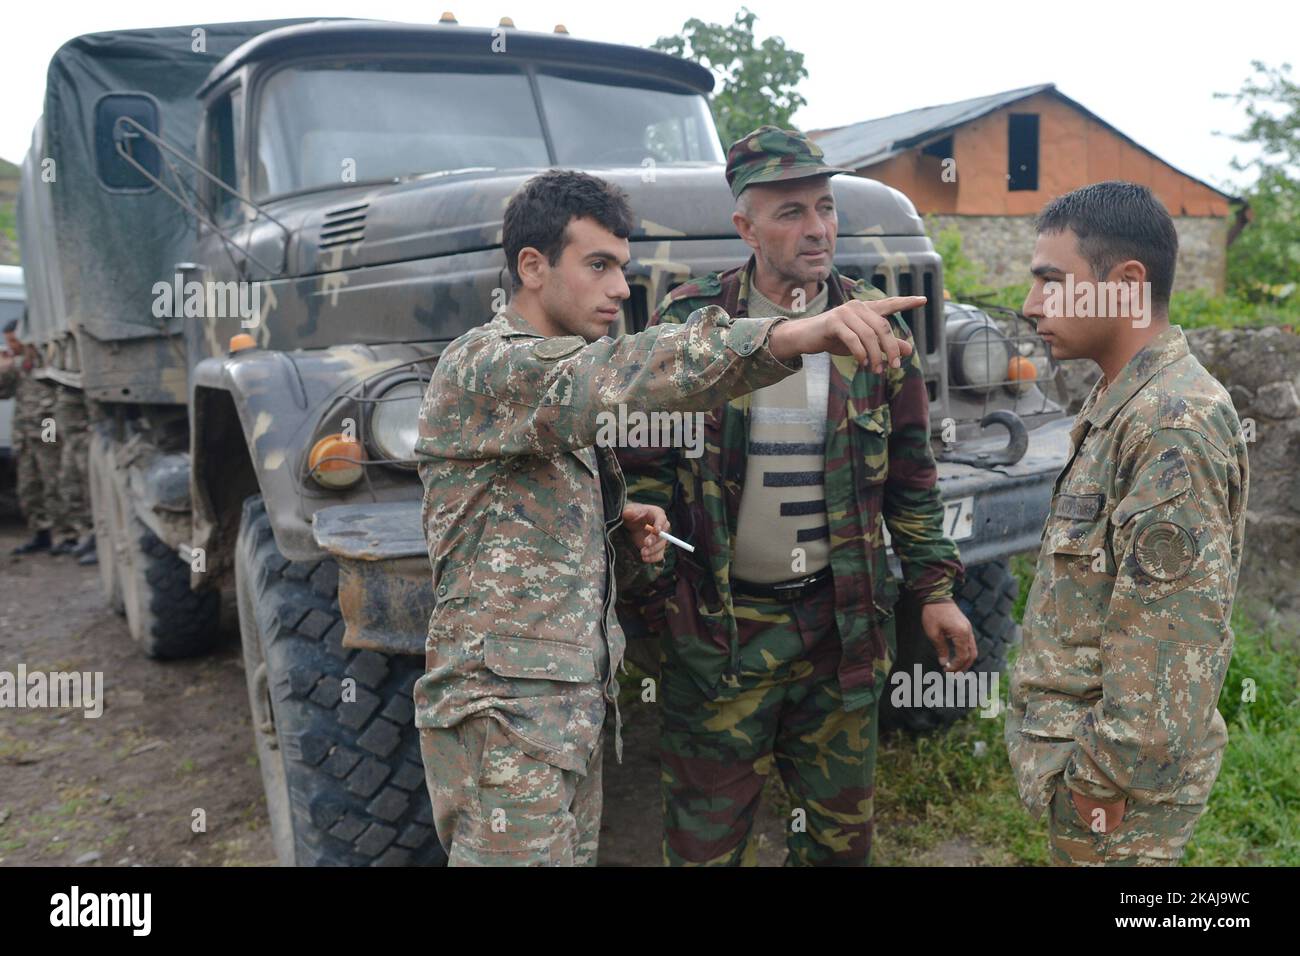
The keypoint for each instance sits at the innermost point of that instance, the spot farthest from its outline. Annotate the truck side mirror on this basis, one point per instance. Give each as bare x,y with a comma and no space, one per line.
114,171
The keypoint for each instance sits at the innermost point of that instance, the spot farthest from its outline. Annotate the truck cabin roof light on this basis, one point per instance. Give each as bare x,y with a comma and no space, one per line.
448,17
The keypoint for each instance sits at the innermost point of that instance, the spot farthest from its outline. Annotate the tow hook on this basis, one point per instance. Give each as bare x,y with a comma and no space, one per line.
1017,443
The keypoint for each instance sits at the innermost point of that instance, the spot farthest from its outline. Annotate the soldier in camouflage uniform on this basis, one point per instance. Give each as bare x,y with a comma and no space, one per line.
777,634
1113,728
522,515
37,459
75,525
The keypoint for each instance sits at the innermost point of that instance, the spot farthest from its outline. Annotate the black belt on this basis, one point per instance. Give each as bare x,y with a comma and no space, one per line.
783,590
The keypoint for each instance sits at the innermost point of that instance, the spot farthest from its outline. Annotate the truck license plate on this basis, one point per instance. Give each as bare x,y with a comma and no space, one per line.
959,518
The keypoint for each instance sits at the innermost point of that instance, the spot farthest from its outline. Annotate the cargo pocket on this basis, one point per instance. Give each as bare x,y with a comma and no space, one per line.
510,655
873,442
521,815
1042,746
1083,577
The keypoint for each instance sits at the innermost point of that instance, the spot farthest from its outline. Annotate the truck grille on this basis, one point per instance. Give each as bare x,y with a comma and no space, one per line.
925,322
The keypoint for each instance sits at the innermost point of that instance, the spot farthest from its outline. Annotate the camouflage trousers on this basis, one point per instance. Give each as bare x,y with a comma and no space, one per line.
1151,834
37,459
494,805
73,519
785,710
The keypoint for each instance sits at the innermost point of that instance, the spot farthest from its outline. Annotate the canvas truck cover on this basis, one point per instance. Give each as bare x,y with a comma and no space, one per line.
91,253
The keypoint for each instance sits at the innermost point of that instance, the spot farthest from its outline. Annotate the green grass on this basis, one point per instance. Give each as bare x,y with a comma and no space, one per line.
934,790
1254,810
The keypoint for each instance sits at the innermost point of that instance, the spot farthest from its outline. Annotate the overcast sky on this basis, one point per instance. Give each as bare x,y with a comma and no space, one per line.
1148,68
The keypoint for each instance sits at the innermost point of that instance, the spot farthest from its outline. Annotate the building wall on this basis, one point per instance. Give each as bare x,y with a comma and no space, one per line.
1003,245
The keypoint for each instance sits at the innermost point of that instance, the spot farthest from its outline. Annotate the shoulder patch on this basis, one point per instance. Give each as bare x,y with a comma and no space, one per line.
558,347
1164,550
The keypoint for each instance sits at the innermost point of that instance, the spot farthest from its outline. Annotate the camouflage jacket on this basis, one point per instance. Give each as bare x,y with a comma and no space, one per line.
519,509
34,397
878,466
1126,634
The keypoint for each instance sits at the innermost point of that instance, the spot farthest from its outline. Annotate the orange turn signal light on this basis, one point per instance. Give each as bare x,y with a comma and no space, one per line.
1021,374
336,462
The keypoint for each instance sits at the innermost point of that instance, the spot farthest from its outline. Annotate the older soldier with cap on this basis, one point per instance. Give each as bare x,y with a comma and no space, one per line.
1113,728
522,514
777,634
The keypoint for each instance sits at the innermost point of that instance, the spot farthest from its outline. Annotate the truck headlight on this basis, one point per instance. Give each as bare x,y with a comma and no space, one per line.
980,354
395,421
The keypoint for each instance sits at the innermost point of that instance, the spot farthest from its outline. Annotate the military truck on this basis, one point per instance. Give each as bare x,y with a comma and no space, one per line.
261,250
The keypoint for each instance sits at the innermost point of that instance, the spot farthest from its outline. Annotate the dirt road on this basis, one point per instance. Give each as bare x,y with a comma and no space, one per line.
174,739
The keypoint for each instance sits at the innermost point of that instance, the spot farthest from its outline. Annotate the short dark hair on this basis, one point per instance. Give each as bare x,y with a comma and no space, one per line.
1115,221
539,213
11,326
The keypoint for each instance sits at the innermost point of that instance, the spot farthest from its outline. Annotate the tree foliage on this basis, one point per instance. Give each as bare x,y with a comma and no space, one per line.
1264,261
756,80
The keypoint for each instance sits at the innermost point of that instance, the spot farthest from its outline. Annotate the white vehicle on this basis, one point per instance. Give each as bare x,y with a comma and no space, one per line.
12,299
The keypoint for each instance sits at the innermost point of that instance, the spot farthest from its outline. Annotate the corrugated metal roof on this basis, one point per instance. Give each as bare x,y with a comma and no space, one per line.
872,141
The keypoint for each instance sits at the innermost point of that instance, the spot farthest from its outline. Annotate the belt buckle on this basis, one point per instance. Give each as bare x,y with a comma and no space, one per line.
791,590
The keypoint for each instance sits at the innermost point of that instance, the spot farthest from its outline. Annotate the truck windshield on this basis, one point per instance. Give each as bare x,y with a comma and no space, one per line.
326,124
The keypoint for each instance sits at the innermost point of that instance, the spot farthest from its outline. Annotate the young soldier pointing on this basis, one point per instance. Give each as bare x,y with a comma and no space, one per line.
522,513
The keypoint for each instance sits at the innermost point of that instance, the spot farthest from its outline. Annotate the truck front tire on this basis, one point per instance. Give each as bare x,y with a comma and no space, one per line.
334,727
987,597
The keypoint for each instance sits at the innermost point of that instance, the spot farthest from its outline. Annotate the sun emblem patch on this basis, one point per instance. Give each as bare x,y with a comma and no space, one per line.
1164,550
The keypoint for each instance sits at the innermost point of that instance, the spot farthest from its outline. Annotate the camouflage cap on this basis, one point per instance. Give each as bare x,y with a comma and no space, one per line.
769,155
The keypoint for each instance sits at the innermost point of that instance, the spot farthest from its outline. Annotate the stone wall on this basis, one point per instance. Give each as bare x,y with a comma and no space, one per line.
1261,370
1003,245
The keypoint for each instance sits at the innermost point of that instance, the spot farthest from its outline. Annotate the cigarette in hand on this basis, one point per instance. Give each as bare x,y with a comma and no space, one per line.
671,540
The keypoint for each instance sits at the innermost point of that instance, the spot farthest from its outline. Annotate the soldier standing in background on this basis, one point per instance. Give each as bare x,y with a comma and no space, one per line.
75,523
9,362
1113,727
777,634
522,515
37,459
